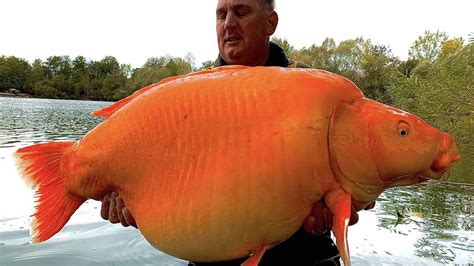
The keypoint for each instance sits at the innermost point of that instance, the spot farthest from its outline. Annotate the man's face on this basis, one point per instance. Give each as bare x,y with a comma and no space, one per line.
243,28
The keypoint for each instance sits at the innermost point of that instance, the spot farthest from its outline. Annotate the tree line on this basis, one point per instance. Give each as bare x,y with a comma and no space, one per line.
435,82
79,78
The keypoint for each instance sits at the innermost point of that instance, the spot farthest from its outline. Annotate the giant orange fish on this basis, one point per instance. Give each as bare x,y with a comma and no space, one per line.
225,163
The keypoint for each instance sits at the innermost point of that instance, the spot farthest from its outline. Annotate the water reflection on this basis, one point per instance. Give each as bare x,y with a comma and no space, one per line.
28,121
442,213
434,221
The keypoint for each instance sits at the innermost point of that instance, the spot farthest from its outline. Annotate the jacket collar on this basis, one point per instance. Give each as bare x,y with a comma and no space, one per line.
276,57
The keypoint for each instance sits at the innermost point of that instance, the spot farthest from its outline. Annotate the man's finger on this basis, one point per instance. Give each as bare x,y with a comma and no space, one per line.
128,217
370,206
309,223
354,216
328,219
104,209
120,206
318,214
113,218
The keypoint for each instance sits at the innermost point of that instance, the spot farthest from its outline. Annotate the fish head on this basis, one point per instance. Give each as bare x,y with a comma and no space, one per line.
374,146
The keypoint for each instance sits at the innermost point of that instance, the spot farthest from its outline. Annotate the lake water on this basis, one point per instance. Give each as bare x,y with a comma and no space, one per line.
431,223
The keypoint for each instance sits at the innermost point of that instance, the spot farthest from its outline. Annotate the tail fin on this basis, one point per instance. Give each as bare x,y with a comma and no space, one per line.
40,166
339,202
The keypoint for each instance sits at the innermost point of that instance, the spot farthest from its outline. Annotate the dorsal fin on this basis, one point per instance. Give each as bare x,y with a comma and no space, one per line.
110,110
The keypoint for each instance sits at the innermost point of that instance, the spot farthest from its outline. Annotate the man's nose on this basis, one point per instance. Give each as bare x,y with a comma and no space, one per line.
230,21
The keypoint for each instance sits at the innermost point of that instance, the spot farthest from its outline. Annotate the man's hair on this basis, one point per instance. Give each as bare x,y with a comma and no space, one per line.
268,4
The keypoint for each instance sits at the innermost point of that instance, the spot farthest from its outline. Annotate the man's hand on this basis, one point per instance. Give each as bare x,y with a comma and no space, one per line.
320,218
114,209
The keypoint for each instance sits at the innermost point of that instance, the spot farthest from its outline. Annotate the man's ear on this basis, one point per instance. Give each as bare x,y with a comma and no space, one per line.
272,22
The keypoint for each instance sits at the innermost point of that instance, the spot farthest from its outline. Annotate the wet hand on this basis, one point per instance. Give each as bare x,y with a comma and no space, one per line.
320,219
113,209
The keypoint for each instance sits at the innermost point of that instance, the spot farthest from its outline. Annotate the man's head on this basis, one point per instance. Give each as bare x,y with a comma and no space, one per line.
243,30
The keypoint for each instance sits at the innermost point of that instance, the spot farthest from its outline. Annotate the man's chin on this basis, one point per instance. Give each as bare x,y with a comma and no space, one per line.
233,55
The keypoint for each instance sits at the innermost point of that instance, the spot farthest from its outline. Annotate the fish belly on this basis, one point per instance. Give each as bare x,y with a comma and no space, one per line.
214,168
225,204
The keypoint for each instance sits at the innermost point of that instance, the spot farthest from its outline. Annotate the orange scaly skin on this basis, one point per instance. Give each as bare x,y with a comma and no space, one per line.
225,163
217,144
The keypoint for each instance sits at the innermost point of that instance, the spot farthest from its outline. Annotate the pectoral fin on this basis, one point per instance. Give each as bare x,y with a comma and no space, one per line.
255,257
339,202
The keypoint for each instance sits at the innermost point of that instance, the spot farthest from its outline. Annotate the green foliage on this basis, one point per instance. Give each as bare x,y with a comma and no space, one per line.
13,72
107,79
321,57
428,46
113,87
285,45
371,67
38,73
206,65
158,68
378,66
45,89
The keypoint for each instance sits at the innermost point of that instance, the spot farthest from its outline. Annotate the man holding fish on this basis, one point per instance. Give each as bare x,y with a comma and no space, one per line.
243,31
233,162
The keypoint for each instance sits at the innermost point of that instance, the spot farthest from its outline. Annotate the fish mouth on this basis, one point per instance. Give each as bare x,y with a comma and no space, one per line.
447,155
441,165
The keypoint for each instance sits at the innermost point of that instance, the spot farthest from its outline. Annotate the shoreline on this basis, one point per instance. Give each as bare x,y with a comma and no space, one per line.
25,95
13,95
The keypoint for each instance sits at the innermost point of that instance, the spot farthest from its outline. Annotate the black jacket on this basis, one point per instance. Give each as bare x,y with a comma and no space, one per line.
277,57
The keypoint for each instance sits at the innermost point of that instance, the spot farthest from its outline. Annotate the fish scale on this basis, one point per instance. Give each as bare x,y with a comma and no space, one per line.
225,163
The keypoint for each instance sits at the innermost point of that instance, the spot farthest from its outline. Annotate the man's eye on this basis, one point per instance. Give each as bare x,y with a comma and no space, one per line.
242,12
220,16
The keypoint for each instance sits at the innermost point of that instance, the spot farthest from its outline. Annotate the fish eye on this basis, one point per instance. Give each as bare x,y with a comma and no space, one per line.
403,132
403,129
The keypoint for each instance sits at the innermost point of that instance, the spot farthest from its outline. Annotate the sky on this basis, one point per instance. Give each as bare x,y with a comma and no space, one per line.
133,31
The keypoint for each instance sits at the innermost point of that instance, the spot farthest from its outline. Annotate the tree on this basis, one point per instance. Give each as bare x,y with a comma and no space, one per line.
377,64
451,47
285,45
207,65
45,89
13,72
348,57
126,70
79,77
428,46
38,73
158,68
151,72
114,87
320,57
108,65
59,71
